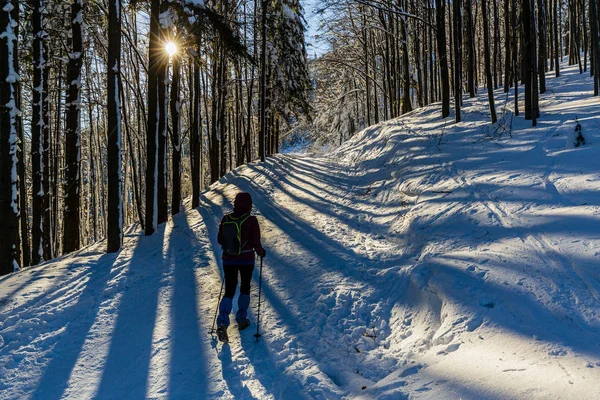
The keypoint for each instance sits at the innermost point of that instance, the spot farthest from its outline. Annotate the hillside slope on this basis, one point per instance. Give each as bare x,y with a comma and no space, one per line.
422,259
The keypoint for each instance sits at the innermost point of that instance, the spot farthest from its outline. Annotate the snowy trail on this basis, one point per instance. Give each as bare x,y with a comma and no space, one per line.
423,259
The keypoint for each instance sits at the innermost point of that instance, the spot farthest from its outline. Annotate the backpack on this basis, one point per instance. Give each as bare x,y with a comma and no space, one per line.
232,235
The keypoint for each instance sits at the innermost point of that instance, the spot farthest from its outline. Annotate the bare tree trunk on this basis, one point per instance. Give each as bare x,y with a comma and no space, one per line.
486,61
366,59
457,15
263,84
153,117
10,246
47,146
442,56
114,220
195,146
497,58
406,104
470,49
176,141
37,128
594,25
507,47
515,52
23,211
71,217
543,37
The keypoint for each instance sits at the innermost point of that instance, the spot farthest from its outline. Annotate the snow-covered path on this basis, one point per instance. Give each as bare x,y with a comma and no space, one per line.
423,259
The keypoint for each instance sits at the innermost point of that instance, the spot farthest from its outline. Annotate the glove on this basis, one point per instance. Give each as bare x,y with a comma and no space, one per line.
261,252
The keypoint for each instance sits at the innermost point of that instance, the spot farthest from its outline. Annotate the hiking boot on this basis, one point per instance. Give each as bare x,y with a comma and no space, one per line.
243,324
222,334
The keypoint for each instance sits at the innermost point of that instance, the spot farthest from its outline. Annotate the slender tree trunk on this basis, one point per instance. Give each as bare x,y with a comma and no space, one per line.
542,36
162,196
263,84
195,147
442,56
223,126
37,128
556,40
457,14
175,125
132,161
595,36
154,66
406,104
57,165
114,221
486,61
470,49
367,62
507,49
497,58
23,211
47,145
585,35
515,52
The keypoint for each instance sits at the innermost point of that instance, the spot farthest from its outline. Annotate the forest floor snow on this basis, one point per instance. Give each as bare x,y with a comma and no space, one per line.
423,259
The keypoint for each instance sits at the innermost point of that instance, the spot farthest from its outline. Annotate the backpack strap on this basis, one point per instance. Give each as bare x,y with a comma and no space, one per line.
238,222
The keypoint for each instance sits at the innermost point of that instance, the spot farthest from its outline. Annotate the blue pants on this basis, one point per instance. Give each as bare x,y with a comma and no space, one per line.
231,281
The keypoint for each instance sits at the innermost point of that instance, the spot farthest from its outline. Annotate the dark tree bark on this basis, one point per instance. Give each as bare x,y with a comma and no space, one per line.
367,62
114,220
161,195
214,138
10,246
507,47
486,61
132,160
515,52
222,118
195,143
154,66
457,14
442,55
543,37
176,141
23,211
529,61
497,58
585,35
72,187
262,147
470,44
37,132
47,147
595,39
406,104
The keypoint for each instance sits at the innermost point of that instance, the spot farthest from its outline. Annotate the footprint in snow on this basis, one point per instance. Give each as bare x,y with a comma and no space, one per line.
449,349
478,272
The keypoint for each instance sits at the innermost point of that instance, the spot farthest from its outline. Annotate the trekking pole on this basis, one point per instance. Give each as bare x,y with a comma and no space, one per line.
212,330
257,335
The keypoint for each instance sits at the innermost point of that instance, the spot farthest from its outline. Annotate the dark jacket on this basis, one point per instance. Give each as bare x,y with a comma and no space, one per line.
250,231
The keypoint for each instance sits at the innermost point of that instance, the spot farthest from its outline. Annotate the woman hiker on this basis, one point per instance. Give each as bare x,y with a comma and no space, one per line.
239,236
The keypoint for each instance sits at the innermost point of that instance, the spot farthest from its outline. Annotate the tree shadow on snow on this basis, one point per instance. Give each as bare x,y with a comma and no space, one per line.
55,379
127,367
188,363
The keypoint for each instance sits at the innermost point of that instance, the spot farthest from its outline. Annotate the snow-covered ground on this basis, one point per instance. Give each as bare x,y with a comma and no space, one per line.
423,259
